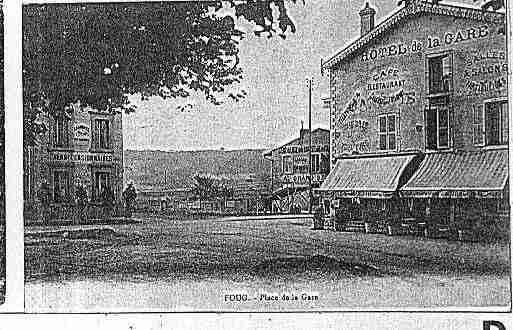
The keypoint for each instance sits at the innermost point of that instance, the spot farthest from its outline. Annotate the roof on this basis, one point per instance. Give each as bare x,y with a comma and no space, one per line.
415,8
367,174
319,136
441,173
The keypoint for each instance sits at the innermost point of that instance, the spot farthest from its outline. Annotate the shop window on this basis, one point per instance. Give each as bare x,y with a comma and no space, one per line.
101,182
387,132
316,163
101,134
437,127
60,132
287,164
440,73
496,122
61,183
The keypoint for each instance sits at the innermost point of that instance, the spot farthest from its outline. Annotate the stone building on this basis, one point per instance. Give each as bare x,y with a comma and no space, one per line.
419,117
82,147
290,170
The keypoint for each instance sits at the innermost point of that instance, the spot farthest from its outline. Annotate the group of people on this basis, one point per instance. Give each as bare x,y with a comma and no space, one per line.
106,199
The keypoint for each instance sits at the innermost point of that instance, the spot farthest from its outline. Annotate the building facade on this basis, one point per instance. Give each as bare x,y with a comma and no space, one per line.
419,116
82,147
290,170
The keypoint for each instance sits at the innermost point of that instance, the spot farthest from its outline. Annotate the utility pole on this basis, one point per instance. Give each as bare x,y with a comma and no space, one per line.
310,145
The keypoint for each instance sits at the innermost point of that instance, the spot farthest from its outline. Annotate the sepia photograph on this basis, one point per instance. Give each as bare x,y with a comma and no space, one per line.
266,156
2,161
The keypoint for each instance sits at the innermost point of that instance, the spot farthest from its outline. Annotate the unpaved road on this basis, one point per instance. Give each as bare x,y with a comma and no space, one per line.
165,264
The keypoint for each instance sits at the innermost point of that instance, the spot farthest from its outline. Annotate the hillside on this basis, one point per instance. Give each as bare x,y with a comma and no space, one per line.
176,169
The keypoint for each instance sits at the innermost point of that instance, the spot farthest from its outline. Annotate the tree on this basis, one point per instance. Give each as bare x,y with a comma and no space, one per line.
206,188
492,4
99,54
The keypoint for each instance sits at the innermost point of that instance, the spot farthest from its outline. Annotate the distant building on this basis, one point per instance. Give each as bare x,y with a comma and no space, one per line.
419,120
243,197
82,146
290,170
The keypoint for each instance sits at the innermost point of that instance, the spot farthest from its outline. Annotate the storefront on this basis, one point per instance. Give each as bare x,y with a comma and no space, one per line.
80,157
426,88
290,170
466,192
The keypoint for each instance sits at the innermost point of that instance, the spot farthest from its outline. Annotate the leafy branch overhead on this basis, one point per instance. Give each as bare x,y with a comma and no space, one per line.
493,5
99,54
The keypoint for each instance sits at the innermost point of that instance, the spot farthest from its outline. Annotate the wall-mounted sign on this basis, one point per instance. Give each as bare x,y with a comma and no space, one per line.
302,179
80,157
416,46
82,132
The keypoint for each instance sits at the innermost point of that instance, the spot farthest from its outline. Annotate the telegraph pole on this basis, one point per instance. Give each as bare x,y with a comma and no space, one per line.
310,144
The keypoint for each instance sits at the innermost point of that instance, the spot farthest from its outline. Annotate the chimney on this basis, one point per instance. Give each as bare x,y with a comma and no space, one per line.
367,18
303,133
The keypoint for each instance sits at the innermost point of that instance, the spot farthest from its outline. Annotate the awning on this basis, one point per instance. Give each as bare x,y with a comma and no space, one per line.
481,174
366,177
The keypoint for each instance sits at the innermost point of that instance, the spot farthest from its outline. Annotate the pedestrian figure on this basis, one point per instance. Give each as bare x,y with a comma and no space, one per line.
107,197
318,221
81,201
129,195
44,199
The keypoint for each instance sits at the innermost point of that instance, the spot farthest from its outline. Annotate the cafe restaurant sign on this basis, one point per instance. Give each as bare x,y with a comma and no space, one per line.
80,157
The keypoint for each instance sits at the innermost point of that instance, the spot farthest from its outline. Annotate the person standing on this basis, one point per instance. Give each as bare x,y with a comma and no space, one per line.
44,199
129,195
81,201
107,201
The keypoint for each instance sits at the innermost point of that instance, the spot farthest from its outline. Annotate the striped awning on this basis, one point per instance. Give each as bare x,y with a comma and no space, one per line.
481,174
366,177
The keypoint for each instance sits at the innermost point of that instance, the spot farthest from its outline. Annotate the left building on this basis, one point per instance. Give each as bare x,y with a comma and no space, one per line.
81,147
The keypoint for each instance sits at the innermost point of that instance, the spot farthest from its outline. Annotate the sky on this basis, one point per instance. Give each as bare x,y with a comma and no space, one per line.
275,73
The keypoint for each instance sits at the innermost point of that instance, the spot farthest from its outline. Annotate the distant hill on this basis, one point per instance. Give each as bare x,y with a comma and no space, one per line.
176,169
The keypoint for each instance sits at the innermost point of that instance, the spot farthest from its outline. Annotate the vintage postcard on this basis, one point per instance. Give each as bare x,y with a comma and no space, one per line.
2,162
263,156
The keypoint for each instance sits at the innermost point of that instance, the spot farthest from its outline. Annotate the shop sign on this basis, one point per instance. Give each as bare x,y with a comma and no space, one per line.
82,132
304,148
80,157
302,179
363,194
453,194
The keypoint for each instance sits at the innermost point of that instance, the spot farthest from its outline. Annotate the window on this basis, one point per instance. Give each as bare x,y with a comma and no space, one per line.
440,73
60,132
478,129
316,163
101,182
102,133
287,164
437,127
496,122
61,186
387,132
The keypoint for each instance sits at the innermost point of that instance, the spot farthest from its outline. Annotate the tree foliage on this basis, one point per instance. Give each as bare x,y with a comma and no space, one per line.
207,188
493,5
99,54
